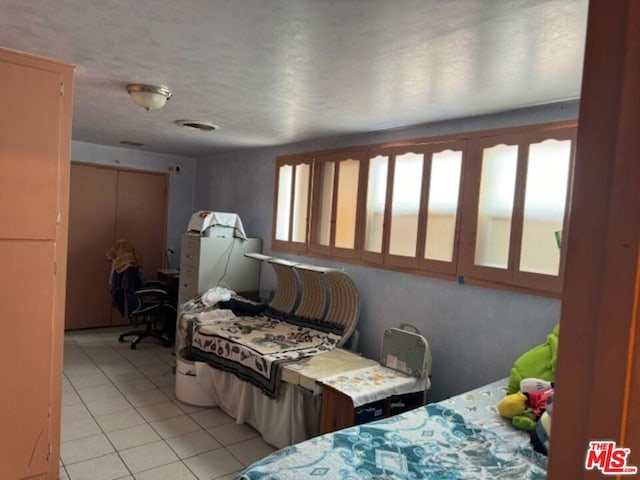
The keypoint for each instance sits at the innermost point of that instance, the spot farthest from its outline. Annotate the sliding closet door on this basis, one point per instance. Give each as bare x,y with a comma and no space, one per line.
141,218
108,204
92,230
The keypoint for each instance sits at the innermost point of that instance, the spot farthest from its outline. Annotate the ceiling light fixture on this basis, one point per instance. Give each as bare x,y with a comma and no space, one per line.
149,97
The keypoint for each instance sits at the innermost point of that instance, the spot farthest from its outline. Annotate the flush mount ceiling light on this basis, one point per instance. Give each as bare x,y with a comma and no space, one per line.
198,125
149,97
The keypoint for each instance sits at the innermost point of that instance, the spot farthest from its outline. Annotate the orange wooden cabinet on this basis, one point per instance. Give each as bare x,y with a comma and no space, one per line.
35,139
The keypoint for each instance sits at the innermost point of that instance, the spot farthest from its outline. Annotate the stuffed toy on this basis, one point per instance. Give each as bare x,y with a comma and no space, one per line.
542,434
538,363
525,407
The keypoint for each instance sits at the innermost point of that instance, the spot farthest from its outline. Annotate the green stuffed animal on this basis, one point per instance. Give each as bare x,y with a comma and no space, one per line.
539,362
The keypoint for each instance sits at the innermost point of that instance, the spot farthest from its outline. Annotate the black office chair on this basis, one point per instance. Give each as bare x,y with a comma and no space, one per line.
150,305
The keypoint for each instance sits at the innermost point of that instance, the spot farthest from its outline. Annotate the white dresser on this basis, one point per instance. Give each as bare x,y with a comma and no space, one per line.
207,262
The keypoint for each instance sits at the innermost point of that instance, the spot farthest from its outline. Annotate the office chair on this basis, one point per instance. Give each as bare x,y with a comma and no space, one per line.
148,305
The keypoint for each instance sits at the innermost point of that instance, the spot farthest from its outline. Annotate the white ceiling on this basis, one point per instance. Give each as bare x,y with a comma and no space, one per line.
271,72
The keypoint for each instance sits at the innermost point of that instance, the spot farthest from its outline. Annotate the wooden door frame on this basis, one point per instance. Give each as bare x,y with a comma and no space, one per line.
597,395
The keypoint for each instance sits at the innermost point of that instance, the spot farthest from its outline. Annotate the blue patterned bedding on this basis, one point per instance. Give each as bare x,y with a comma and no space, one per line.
459,438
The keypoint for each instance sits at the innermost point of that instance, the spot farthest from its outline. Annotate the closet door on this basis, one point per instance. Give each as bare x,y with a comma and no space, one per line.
108,204
92,230
141,218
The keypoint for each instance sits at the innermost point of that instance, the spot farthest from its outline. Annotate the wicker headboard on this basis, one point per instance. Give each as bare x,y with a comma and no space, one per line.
314,293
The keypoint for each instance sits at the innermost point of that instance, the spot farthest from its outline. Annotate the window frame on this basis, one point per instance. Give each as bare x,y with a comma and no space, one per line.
536,281
461,267
332,250
440,266
511,275
368,256
290,245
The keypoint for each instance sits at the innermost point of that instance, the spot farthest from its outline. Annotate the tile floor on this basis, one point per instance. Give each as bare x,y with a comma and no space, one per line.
121,418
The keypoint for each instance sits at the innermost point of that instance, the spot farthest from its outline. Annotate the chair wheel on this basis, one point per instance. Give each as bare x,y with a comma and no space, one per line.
133,346
121,339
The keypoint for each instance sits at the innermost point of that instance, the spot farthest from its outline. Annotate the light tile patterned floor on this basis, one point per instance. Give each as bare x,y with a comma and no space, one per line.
121,419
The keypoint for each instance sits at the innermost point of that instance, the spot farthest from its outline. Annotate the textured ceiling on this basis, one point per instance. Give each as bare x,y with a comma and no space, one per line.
271,72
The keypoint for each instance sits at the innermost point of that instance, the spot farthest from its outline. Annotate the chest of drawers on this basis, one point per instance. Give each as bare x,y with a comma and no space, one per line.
207,262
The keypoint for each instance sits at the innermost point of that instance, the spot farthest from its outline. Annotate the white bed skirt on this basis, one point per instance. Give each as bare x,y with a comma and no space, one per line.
291,418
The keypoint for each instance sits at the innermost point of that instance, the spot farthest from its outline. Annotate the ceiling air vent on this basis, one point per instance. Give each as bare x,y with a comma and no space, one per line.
129,143
198,125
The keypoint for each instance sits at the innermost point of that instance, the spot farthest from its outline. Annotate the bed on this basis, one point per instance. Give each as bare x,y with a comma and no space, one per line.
460,438
234,351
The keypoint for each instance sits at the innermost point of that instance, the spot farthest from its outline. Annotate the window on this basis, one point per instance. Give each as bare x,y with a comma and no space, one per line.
406,194
378,165
486,207
336,200
442,210
544,205
495,205
520,188
292,203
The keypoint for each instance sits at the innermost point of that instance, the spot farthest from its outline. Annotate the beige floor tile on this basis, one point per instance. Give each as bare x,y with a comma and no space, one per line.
72,413
160,411
170,392
78,369
125,375
98,392
62,474
118,365
133,436
172,427
231,433
172,471
120,420
231,476
70,397
161,381
147,397
213,464
109,404
140,359
131,394
79,429
156,370
250,451
91,380
80,449
135,385
145,457
107,467
66,385
211,417
193,444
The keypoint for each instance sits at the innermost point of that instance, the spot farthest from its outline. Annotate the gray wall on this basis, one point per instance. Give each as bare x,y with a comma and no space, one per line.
181,195
475,333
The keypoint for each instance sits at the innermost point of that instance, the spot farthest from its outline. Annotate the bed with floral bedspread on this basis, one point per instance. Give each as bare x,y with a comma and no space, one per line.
460,438
255,348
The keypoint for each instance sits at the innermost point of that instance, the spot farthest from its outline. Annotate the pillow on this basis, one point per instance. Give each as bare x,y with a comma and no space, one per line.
539,362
